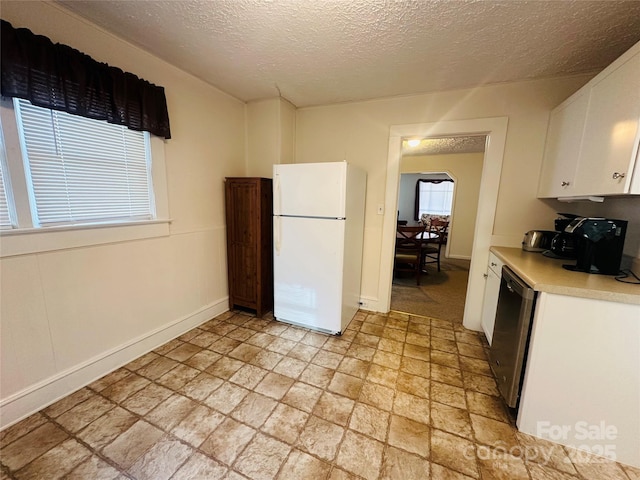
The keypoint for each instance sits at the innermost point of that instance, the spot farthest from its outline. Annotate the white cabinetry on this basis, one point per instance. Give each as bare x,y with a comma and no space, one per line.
583,374
564,137
610,143
593,137
491,291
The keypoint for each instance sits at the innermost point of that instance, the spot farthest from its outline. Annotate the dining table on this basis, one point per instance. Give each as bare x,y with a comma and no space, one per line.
426,237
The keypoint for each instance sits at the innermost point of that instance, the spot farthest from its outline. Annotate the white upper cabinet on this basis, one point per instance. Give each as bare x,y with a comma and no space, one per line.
564,137
593,137
610,143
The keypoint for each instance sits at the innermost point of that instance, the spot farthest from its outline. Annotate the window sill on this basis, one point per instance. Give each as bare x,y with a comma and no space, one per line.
36,240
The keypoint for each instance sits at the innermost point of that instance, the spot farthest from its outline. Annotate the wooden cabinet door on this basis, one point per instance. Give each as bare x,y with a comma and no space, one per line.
610,143
242,242
562,150
249,210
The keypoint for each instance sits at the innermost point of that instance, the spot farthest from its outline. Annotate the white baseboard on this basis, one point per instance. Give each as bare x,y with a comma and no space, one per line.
34,398
460,257
370,304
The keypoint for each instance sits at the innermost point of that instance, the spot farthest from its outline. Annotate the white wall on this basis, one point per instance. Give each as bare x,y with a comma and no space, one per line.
270,135
263,137
68,316
466,168
359,133
287,131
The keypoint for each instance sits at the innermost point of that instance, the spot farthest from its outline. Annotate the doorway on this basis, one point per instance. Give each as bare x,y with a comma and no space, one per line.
495,130
440,177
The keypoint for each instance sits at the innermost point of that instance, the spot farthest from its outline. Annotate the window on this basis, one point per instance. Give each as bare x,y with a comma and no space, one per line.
5,216
435,198
68,181
80,170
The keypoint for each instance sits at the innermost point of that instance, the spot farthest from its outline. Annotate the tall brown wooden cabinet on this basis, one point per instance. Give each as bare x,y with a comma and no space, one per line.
249,211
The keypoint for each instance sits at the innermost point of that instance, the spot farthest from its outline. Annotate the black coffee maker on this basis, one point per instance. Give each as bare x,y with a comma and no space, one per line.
562,245
598,244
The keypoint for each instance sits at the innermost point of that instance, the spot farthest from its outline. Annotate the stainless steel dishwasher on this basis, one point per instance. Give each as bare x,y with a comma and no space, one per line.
516,302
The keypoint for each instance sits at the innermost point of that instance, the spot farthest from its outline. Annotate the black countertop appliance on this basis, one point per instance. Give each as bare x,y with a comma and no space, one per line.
563,221
562,244
598,244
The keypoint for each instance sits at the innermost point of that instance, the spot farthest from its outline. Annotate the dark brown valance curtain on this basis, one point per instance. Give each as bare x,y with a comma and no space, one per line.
59,77
416,205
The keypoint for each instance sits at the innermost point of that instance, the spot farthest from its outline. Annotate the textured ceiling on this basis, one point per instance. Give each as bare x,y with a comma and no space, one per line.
445,145
317,52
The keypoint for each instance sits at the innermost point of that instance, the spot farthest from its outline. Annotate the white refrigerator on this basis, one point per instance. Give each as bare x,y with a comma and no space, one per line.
318,229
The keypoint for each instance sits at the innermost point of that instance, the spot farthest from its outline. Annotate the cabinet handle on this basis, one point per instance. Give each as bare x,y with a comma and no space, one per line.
617,175
494,264
565,184
485,275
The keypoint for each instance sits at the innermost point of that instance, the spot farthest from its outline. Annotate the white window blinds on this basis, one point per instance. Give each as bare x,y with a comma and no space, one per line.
5,219
81,170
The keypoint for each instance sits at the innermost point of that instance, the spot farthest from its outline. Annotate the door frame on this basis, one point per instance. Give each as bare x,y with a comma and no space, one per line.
495,129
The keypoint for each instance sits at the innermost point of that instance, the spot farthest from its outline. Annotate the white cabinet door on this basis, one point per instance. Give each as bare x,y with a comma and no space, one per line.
490,303
583,376
561,153
611,131
491,291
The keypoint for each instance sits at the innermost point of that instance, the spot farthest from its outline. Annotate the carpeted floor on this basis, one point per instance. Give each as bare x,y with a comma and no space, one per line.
440,294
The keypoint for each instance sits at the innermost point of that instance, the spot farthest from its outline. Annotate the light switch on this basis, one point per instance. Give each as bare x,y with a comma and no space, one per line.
381,209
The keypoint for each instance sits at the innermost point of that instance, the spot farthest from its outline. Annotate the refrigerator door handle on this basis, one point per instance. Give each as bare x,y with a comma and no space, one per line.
277,195
277,223
277,232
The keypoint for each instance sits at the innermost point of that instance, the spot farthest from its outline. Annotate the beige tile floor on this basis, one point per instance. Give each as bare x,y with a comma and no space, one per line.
396,397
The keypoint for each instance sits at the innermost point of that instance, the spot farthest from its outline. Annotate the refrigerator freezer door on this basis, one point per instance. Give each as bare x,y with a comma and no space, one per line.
308,266
310,189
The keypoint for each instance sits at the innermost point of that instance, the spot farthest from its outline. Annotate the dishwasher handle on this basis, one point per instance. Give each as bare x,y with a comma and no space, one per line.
516,285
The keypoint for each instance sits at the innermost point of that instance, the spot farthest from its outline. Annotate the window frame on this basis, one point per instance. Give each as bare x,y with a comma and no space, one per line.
27,238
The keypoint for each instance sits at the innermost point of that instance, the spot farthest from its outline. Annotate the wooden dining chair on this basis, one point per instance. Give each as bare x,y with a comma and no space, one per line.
408,253
432,249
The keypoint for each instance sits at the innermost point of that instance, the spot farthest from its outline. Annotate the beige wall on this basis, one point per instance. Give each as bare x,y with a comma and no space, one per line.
359,133
466,168
287,132
270,135
263,137
67,315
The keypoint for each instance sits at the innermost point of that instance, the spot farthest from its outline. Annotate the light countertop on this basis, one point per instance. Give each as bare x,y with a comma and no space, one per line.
545,274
